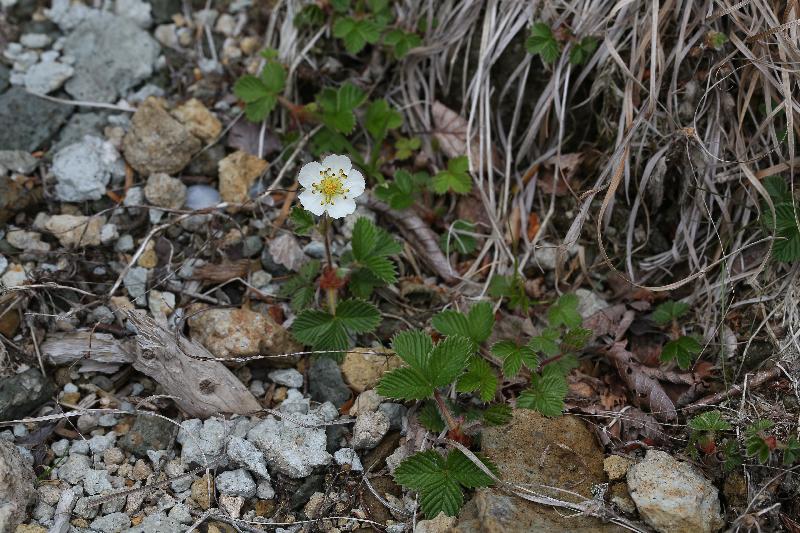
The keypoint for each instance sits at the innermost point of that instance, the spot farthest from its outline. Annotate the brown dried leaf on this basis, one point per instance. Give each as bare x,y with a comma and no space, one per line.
646,389
450,129
222,272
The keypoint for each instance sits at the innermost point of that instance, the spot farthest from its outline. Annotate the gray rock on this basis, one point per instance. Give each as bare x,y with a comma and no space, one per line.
96,482
396,413
180,512
164,9
148,433
18,161
60,447
86,423
43,512
111,523
369,429
79,447
209,439
307,489
47,76
74,469
236,483
84,508
348,456
124,243
202,197
252,246
101,443
79,126
107,421
589,302
135,282
35,40
18,488
315,249
22,393
291,449
288,377
245,453
264,490
672,496
325,382
157,523
295,403
112,54
136,10
34,120
83,169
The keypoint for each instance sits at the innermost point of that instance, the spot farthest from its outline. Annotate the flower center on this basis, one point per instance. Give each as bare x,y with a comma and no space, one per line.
330,185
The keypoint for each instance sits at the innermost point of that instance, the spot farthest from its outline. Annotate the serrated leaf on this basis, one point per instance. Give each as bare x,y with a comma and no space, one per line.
310,325
582,51
413,347
544,344
480,377
419,470
365,235
512,288
382,268
401,42
302,220
248,89
386,244
565,312
338,105
273,75
357,315
441,496
456,178
405,383
340,6
258,110
542,41
448,359
356,33
546,394
709,421
668,311
467,473
497,414
575,339
429,417
405,147
362,283
791,451
682,350
514,356
402,191
380,118
476,325
449,322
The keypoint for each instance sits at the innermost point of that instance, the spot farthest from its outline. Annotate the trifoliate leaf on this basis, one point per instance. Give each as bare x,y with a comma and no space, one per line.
476,325
405,384
582,51
371,245
381,118
545,343
565,312
300,288
429,417
510,287
448,359
417,471
575,339
248,88
273,75
405,147
546,394
459,238
668,311
542,41
382,268
497,414
338,105
709,421
403,190
401,42
302,220
791,451
358,316
480,377
467,473
682,350
755,440
451,322
413,347
514,356
321,330
456,178
441,495
365,235
356,33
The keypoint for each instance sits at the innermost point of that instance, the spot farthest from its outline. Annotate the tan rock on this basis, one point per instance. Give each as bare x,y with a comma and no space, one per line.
148,259
201,494
622,499
441,524
201,122
30,528
249,45
239,332
162,190
616,466
362,368
237,173
29,241
74,231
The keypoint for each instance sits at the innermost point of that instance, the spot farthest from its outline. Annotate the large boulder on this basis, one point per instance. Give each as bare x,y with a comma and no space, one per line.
17,489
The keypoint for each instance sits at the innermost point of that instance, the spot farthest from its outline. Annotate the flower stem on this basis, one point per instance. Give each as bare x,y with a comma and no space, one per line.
448,417
325,226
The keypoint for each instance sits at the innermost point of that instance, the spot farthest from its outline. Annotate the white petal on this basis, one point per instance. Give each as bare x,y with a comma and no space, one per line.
312,201
337,163
341,207
309,174
355,182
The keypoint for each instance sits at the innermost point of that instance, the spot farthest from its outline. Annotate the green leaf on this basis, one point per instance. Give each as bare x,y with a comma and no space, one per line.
356,33
340,6
381,118
545,343
497,414
447,360
362,283
273,75
300,288
302,220
575,339
382,268
480,377
310,16
311,324
405,147
582,51
682,350
365,236
709,421
542,41
401,42
449,322
358,316
791,451
413,347
456,178
668,311
477,325
338,105
249,89
403,190
546,394
755,443
429,417
442,495
565,312
459,238
511,287
716,39
406,384
467,473
514,356
419,470
371,245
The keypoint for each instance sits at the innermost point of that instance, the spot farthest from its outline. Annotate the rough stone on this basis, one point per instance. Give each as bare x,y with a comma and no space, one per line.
616,466
288,377
157,523
209,439
239,333
285,251
236,483
201,122
165,191
231,505
441,524
362,368
202,197
348,456
96,482
201,493
112,54
135,282
111,523
237,173
22,393
289,448
366,402
542,452
47,76
325,382
369,429
74,468
18,489
34,120
136,10
264,490
295,403
673,496
74,231
245,453
29,241
83,169
396,413
157,142
79,126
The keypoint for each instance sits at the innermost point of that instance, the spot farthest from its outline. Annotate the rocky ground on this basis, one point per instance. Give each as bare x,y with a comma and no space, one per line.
111,194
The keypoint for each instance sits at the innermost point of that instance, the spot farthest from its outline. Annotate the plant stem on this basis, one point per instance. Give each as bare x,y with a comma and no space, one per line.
325,226
448,418
550,360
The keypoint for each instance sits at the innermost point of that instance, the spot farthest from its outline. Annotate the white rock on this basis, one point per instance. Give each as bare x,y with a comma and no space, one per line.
44,78
288,377
209,439
673,496
167,35
135,10
14,276
295,403
35,40
202,197
226,25
108,233
83,169
236,483
135,282
245,453
348,456
3,264
367,401
112,523
369,429
30,241
74,469
291,449
264,490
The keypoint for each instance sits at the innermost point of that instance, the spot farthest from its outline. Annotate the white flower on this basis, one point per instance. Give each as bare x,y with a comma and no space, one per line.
331,186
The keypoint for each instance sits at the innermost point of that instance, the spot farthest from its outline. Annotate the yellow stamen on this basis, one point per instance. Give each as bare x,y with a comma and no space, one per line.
330,185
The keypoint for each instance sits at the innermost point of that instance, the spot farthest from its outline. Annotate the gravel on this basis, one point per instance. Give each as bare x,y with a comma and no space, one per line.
84,169
369,429
288,377
236,483
289,448
245,453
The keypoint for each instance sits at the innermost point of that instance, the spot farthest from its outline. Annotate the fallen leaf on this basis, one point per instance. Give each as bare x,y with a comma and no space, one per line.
533,225
222,272
245,136
286,251
646,389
